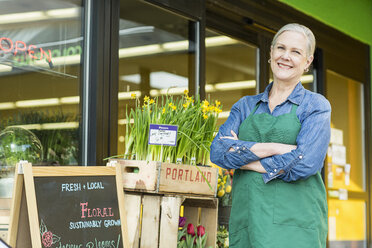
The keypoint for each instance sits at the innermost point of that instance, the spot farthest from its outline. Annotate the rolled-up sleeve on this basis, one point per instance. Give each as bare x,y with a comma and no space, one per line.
220,149
312,144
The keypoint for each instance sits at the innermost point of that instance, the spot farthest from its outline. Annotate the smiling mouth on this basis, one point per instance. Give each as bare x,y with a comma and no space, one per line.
283,66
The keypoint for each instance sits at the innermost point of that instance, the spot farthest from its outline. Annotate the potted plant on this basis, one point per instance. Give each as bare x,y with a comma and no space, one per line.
196,121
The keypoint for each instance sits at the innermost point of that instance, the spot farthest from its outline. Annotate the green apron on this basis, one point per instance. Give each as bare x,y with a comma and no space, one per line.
277,214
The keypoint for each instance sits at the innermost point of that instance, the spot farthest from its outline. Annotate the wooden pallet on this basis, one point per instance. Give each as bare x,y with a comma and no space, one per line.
153,219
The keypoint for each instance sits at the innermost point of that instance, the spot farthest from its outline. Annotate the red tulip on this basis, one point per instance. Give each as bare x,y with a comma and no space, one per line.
191,229
200,230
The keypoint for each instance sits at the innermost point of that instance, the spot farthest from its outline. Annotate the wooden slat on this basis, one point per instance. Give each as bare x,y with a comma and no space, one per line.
170,210
32,206
121,201
150,221
15,208
133,208
197,201
188,179
208,218
23,231
144,180
47,171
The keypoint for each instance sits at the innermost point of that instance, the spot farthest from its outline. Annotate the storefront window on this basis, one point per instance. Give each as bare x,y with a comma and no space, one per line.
154,57
345,167
40,69
230,70
40,64
347,142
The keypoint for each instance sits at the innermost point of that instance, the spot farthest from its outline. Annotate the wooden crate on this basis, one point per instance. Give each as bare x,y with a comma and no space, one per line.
153,219
157,177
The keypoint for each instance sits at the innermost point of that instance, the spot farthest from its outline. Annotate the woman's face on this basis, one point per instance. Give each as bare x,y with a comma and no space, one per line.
289,57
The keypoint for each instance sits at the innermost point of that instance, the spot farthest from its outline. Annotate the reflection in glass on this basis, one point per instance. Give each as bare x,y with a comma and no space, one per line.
345,168
347,121
154,56
40,64
230,70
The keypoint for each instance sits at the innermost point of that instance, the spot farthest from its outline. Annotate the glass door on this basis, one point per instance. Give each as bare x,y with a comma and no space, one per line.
345,171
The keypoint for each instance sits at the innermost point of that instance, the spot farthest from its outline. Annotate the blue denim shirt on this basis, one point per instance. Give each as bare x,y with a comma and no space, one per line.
314,113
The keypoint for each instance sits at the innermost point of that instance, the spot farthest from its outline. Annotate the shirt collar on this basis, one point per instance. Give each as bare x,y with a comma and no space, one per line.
295,97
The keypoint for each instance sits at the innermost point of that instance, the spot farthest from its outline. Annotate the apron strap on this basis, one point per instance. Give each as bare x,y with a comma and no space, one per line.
255,108
294,109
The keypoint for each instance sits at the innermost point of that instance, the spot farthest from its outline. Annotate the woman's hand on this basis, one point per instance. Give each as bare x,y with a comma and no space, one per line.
233,137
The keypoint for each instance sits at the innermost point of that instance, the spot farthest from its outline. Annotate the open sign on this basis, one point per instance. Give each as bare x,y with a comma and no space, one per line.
7,45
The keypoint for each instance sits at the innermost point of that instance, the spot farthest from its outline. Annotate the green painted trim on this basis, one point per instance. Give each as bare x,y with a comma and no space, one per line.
350,17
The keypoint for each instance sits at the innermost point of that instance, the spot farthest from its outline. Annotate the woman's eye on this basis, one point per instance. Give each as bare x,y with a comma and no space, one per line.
280,47
299,53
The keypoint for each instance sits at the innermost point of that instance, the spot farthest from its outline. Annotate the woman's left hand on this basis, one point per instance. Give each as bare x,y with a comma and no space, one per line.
233,137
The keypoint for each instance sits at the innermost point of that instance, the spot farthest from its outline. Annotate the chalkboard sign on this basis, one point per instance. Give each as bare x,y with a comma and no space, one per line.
78,211
70,206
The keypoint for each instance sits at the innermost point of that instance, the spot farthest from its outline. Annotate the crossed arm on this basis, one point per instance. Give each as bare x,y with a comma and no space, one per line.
276,160
262,150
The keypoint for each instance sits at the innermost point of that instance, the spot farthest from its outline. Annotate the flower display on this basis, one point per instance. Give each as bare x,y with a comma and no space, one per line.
224,186
200,231
196,121
191,237
182,222
191,229
222,237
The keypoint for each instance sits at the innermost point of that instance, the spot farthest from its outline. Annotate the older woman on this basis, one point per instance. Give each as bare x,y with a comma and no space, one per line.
277,142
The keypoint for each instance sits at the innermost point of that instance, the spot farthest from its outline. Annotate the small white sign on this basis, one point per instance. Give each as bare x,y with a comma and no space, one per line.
343,194
338,154
337,136
163,135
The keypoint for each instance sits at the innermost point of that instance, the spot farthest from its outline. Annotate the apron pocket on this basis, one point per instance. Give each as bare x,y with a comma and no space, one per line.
294,204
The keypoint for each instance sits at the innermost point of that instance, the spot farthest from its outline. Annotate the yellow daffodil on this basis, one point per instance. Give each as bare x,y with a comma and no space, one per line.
173,107
133,96
205,116
186,92
146,99
163,111
218,103
189,99
205,103
151,101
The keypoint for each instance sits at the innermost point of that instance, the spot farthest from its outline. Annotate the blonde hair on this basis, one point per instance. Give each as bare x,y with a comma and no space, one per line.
295,27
